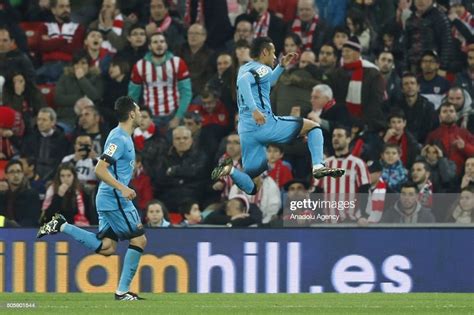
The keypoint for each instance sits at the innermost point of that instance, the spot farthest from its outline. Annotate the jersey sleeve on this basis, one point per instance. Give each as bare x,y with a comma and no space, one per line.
183,72
114,149
136,77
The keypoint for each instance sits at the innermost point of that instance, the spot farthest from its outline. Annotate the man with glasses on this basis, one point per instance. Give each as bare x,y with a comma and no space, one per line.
19,204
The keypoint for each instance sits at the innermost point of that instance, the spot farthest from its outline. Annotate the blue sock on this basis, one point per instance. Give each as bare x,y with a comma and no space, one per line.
316,145
86,238
130,265
243,181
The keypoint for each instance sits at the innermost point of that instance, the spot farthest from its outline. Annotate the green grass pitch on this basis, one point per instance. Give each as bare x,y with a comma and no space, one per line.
171,303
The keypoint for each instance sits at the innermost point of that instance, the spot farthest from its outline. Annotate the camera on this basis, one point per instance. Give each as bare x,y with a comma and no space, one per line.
85,149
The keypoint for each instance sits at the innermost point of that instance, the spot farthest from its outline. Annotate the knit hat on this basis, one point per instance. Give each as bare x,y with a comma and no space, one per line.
353,43
374,166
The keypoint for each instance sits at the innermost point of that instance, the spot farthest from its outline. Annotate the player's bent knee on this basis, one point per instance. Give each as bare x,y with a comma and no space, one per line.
139,241
309,125
107,252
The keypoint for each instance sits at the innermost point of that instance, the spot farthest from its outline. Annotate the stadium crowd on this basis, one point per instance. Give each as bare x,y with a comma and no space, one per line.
391,83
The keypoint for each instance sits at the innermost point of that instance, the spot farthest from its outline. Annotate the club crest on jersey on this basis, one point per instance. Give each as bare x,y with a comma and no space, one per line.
262,71
111,149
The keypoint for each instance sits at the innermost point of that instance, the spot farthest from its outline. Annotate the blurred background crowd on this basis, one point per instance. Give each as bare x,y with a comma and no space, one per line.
389,81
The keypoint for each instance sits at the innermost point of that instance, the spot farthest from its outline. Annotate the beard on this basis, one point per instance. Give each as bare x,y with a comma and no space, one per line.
157,54
66,18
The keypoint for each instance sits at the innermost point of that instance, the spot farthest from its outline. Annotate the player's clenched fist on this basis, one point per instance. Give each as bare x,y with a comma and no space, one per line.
128,193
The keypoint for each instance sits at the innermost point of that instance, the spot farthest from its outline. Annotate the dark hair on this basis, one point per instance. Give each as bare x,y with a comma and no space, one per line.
385,52
31,90
241,43
83,134
276,146
162,205
90,30
410,184
330,44
195,116
408,74
6,29
358,20
347,130
296,39
425,165
340,29
185,207
123,64
445,104
391,146
208,92
134,27
13,162
166,3
159,33
123,106
70,197
397,113
81,55
146,109
258,45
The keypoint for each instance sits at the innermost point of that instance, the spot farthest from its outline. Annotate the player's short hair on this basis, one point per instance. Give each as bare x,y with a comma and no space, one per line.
258,45
123,106
410,184
391,146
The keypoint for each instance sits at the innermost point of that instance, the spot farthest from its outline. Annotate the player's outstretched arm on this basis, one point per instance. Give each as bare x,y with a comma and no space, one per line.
104,175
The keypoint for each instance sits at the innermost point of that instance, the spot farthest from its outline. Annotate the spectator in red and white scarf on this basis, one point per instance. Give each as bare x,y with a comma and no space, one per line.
462,23
265,23
113,25
420,175
65,196
100,57
376,195
161,22
309,26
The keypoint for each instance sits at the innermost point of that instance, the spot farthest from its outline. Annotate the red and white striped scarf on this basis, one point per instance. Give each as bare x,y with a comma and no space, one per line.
199,15
103,52
306,37
262,25
80,218
376,203
165,24
468,20
354,91
425,196
140,136
117,25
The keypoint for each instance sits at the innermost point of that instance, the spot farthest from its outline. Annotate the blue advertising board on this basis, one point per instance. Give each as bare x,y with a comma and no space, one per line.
249,260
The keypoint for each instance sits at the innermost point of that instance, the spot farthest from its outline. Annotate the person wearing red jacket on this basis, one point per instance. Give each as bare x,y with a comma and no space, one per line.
211,110
59,40
458,143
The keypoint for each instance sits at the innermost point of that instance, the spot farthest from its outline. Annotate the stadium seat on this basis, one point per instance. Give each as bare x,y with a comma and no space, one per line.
175,218
33,34
48,93
3,164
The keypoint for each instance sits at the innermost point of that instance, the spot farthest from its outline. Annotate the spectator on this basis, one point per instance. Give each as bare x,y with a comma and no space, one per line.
184,173
18,202
376,195
326,112
344,188
77,81
464,78
442,170
39,11
236,213
11,132
278,169
468,178
243,31
458,143
420,175
10,16
291,44
59,40
136,47
116,85
191,213
463,212
462,23
161,73
415,106
284,9
407,209
221,80
265,22
393,173
234,152
90,124
156,214
309,26
327,58
84,160
397,134
46,143
333,12
462,101
432,85
113,25
35,181
198,56
148,141
99,56
428,29
358,27
360,85
141,183
11,58
377,13
65,196
241,54
21,94
386,63
161,22
339,37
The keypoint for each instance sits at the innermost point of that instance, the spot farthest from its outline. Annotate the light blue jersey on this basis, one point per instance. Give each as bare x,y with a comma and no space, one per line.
252,96
120,150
